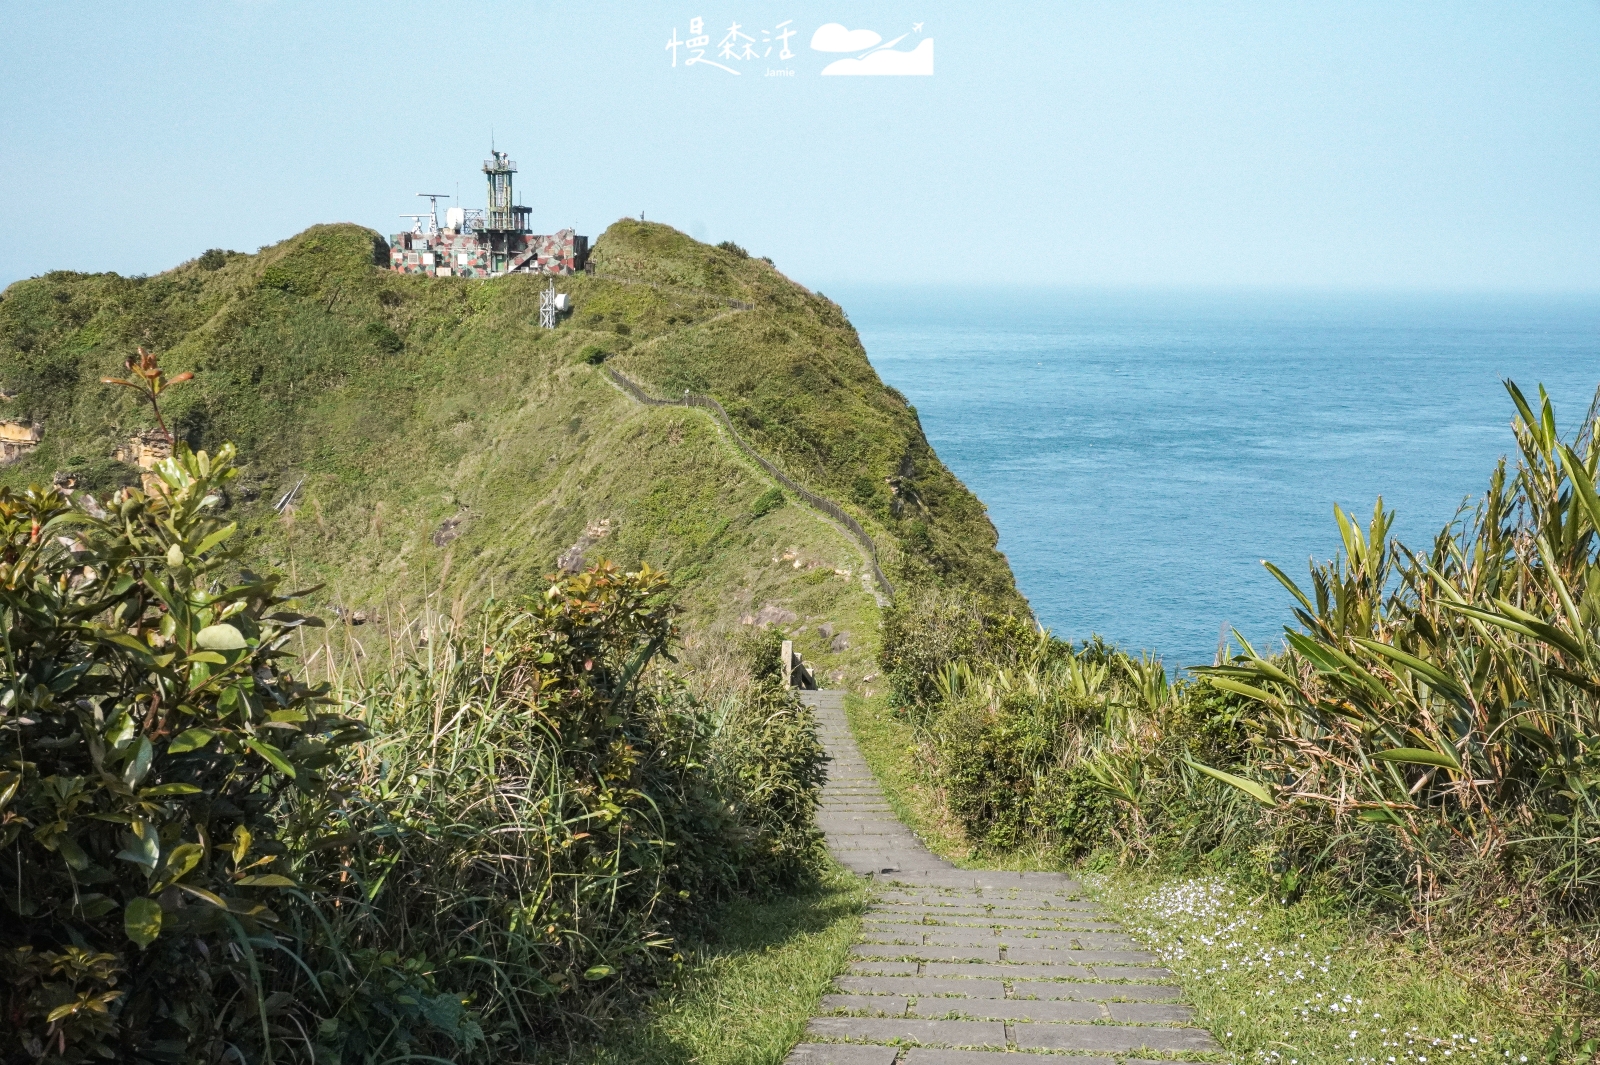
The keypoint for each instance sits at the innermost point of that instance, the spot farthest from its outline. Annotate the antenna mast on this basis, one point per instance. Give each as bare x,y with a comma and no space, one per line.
547,307
433,199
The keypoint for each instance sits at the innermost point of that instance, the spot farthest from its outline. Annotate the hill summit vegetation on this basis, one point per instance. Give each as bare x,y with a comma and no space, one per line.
430,444
488,811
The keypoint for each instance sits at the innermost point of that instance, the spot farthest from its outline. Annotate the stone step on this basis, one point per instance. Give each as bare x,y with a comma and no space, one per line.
910,1030
843,1054
920,985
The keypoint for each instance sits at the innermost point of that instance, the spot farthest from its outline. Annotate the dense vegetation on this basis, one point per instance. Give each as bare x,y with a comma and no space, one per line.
494,816
487,813
208,859
1426,749
446,448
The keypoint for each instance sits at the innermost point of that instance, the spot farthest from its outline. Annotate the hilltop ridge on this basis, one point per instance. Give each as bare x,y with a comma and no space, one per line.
445,447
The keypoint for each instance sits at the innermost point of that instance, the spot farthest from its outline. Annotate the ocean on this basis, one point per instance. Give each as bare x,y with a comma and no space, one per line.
1141,452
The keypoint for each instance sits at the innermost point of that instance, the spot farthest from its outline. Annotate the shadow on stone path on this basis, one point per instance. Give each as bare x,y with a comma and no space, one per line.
959,966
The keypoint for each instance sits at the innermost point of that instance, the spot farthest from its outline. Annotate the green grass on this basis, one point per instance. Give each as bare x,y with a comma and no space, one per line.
1307,983
1206,927
402,404
744,996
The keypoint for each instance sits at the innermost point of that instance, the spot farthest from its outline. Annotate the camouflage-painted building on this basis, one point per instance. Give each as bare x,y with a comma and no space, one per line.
476,253
488,243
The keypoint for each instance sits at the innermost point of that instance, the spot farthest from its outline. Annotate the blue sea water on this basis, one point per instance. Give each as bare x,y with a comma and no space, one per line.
1142,452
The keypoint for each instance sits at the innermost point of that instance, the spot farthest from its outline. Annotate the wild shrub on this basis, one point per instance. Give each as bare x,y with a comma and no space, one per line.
282,278
384,339
989,773
1037,751
1450,699
930,629
767,502
543,813
205,859
150,734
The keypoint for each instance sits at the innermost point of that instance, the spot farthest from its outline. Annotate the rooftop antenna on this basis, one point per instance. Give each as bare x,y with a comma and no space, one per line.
433,208
416,222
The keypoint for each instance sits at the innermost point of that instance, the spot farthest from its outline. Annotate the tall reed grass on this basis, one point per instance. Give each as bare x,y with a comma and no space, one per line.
479,854
542,816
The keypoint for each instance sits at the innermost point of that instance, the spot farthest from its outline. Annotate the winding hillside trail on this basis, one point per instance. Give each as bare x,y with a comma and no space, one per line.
959,966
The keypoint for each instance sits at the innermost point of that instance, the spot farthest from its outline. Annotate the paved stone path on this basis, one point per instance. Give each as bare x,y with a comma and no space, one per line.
958,967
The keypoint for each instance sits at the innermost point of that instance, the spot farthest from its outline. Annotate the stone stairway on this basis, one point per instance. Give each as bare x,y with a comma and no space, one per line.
958,966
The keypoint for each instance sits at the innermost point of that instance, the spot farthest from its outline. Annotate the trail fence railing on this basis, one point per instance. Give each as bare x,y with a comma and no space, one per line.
827,506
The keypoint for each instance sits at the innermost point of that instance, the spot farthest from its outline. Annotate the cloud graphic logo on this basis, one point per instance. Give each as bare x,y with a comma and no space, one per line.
918,61
835,38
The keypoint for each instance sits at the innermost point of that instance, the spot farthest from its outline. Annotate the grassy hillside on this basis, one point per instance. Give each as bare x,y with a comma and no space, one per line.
446,447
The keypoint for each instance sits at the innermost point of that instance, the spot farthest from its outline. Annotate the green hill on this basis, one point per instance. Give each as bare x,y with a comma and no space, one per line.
445,447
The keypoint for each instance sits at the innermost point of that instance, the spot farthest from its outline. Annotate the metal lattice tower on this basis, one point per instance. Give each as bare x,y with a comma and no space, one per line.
502,214
547,307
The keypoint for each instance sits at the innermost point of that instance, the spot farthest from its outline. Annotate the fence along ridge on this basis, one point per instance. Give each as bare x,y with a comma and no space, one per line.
827,506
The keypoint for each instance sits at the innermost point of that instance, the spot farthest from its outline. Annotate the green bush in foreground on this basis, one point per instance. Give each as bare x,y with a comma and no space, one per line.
1450,701
543,825
207,860
149,740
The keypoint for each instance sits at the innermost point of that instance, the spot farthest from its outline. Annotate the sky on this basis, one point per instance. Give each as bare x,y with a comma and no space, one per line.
1351,145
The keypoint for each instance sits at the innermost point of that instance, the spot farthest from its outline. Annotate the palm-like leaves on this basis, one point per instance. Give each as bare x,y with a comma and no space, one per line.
1456,689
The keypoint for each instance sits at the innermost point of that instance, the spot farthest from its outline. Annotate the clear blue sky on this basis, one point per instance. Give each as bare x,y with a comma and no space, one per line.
1370,145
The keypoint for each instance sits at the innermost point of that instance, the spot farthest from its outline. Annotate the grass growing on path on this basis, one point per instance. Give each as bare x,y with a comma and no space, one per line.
744,998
